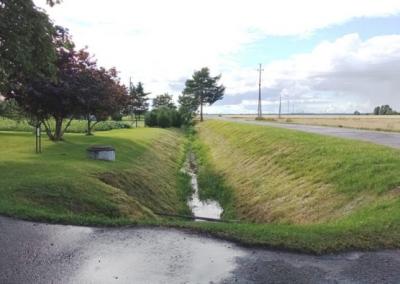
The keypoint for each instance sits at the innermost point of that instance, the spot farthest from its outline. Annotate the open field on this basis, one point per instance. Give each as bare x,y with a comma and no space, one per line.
319,192
63,185
369,122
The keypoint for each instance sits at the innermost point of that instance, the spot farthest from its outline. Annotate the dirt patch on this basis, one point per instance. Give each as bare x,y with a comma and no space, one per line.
395,192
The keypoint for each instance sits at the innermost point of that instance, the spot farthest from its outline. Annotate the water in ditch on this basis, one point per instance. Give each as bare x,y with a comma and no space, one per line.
200,208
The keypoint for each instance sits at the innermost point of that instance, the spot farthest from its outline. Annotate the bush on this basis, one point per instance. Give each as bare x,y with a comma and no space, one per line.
164,117
109,125
176,119
150,119
7,124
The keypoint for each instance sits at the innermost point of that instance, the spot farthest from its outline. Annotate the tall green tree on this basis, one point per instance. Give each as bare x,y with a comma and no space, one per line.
163,100
27,51
49,100
384,110
188,106
137,104
204,88
99,94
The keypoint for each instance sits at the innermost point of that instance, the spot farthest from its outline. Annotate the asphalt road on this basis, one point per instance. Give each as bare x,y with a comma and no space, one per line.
42,253
389,139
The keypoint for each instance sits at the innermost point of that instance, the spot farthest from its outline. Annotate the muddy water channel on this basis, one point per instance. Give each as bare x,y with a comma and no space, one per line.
200,208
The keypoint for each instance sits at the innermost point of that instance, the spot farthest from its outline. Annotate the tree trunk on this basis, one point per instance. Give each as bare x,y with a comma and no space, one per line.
201,111
89,127
47,129
58,133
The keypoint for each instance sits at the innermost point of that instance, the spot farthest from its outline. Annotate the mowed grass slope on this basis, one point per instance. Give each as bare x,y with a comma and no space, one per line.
63,185
304,191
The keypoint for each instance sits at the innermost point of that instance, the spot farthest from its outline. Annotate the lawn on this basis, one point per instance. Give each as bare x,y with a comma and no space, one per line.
77,126
63,185
299,190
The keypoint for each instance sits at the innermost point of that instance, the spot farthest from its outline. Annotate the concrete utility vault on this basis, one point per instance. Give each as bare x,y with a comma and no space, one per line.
106,153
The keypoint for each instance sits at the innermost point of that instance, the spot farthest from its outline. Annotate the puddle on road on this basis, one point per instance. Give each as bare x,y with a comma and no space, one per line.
42,253
156,256
200,208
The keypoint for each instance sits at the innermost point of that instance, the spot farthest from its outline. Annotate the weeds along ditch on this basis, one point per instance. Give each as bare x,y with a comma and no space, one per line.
296,190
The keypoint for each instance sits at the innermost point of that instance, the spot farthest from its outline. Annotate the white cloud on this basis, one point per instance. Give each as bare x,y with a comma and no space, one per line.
347,68
339,76
159,42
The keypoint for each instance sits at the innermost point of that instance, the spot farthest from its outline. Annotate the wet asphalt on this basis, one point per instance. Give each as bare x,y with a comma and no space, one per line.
390,139
43,253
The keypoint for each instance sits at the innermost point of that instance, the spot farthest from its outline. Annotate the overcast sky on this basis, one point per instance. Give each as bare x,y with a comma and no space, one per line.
320,56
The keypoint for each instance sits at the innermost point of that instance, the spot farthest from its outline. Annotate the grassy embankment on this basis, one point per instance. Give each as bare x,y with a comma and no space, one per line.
290,189
367,122
63,185
300,191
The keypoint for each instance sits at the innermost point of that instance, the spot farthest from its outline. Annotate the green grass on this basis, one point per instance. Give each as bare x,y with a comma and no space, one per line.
290,190
298,190
77,126
63,185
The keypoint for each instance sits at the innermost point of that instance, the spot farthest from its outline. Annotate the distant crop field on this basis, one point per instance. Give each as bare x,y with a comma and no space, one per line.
369,122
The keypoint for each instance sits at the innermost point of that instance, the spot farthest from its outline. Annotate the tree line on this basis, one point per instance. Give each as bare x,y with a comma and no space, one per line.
51,82
384,110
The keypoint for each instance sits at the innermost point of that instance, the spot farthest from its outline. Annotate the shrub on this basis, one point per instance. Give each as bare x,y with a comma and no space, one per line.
164,117
150,119
109,125
176,119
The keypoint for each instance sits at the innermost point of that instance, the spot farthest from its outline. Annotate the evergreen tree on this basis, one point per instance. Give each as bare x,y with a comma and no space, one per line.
204,89
138,101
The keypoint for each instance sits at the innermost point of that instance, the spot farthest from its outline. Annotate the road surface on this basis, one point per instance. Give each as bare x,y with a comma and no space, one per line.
42,253
390,139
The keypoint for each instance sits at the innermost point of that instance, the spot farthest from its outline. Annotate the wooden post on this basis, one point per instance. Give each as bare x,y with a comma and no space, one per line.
38,137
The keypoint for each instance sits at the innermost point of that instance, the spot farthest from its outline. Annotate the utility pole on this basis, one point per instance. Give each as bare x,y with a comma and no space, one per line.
280,104
259,111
